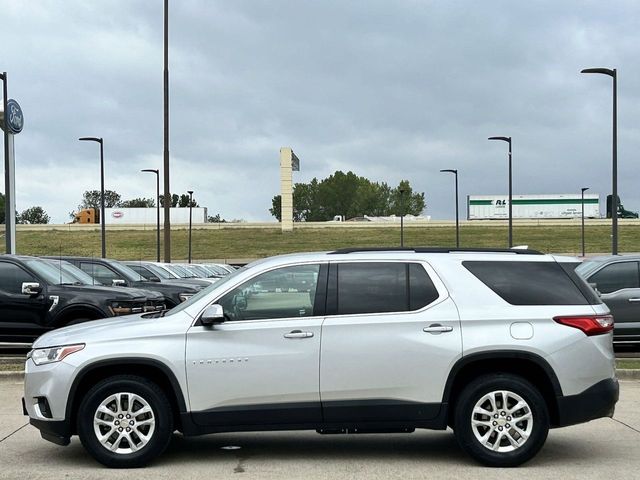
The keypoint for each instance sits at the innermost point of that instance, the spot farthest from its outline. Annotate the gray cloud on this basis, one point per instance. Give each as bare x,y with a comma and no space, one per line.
390,90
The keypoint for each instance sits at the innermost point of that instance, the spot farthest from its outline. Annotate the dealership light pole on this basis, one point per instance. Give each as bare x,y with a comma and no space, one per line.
508,140
190,192
102,218
455,172
614,194
582,190
167,193
157,172
402,190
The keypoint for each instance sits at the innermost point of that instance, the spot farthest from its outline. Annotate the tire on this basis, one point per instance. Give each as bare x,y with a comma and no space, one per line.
132,394
498,442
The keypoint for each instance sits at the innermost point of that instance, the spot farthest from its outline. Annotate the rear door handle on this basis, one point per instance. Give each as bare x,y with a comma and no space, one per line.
298,334
634,300
436,329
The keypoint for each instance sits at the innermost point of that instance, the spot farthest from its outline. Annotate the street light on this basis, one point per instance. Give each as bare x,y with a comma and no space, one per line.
402,191
190,192
165,153
102,218
157,172
455,172
614,194
508,140
582,190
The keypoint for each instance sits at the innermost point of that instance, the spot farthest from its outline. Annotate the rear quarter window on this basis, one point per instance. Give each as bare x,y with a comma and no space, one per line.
529,283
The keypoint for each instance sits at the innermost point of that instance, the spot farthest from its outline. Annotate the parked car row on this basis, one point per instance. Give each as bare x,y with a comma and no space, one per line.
40,294
617,279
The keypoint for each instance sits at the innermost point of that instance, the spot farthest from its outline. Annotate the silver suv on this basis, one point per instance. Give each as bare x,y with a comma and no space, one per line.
498,345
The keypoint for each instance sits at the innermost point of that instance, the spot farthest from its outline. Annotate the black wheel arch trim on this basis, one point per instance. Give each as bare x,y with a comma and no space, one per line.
79,306
175,385
500,354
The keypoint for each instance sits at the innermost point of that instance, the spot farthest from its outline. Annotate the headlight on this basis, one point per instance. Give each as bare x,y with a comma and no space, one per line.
42,356
185,296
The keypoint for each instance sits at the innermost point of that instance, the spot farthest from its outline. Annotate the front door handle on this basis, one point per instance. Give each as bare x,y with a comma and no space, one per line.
298,334
436,329
634,300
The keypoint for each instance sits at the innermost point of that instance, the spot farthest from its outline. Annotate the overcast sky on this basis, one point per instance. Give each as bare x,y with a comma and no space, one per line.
388,89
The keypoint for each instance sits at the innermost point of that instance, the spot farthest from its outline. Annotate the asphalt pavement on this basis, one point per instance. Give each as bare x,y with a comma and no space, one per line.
605,448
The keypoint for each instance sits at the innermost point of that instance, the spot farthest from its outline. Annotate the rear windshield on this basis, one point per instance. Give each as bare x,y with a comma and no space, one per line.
532,283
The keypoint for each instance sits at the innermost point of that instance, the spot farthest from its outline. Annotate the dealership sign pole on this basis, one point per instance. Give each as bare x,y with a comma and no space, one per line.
12,123
289,163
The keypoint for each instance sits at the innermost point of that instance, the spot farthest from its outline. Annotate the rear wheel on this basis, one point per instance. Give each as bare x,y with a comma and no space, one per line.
125,421
501,420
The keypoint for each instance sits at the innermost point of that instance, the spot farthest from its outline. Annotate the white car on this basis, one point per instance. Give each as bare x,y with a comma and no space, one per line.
498,345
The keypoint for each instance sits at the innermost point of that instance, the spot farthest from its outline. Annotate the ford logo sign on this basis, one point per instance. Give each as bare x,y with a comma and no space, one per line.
117,214
14,116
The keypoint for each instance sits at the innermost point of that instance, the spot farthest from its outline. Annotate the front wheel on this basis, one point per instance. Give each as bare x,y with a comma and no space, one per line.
501,420
125,421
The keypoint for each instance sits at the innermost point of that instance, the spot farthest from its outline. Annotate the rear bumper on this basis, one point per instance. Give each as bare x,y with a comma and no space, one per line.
597,401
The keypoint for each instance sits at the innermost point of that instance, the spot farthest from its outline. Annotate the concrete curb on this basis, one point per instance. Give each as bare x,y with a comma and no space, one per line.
12,376
18,376
628,374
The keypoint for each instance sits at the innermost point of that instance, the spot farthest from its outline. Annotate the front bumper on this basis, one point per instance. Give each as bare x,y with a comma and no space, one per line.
597,401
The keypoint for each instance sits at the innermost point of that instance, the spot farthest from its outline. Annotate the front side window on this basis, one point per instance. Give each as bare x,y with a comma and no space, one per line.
12,277
287,292
383,287
616,276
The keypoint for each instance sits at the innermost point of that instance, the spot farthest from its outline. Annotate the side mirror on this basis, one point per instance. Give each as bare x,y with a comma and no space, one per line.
31,288
212,315
118,282
153,278
595,287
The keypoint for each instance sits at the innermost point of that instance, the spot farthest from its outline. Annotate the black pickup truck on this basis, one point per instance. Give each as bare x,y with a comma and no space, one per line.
114,273
36,297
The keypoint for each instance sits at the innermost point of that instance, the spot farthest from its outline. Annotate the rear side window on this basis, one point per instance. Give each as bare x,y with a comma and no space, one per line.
616,276
383,287
528,283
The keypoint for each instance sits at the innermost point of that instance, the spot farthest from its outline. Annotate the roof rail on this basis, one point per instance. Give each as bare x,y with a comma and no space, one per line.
520,251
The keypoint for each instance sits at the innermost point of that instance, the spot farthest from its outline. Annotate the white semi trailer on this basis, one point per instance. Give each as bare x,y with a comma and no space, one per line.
147,216
496,207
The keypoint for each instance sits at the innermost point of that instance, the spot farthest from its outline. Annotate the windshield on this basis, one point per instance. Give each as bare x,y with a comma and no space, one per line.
203,293
587,266
213,271
128,272
181,272
51,273
197,271
160,272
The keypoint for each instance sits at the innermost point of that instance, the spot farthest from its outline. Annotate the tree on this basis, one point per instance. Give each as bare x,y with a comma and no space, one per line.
32,215
216,219
349,195
138,203
184,201
91,199
179,201
174,200
407,203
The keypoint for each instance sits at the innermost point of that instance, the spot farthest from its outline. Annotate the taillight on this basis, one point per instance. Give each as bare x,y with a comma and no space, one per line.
590,325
